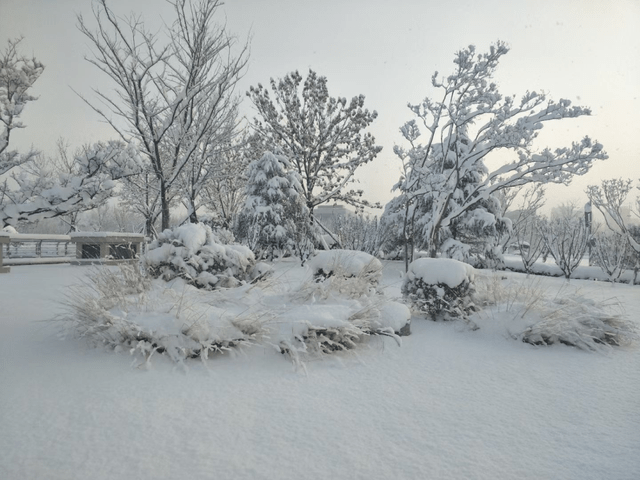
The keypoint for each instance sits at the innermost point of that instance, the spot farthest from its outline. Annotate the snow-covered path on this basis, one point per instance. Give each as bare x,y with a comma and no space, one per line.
449,403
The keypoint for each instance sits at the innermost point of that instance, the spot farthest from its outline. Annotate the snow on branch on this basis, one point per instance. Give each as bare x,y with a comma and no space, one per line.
89,185
17,75
445,178
323,136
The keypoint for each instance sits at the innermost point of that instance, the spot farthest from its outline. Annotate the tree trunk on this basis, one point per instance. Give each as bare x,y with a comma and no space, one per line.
164,202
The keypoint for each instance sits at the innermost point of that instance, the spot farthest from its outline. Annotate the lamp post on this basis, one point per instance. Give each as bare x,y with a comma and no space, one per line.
587,224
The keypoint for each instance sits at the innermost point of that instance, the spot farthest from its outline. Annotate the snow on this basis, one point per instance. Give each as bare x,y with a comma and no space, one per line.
102,235
434,271
349,262
448,403
584,271
192,235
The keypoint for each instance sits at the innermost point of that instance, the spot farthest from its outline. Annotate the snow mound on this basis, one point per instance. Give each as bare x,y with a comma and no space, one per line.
435,271
348,263
396,316
194,253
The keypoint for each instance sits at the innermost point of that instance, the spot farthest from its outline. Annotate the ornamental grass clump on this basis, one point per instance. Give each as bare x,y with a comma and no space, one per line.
345,272
531,313
123,309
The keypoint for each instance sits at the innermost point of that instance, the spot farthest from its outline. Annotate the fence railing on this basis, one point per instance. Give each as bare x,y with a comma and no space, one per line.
38,248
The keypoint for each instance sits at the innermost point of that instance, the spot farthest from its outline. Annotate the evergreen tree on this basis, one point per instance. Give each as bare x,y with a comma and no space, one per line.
274,217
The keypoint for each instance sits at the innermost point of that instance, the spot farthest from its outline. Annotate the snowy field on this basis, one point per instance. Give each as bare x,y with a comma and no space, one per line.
450,403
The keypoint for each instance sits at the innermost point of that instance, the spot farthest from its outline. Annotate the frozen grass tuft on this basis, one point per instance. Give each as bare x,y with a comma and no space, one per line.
529,312
123,309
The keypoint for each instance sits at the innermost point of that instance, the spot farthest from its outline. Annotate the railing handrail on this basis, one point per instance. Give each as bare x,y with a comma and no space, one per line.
37,237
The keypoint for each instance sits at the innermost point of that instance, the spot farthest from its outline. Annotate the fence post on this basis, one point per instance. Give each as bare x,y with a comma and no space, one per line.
4,239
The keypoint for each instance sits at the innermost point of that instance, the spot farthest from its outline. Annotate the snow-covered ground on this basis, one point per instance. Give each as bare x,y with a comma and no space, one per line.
449,403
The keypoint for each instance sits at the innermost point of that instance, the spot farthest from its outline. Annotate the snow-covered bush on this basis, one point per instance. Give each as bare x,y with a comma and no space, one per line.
340,307
440,287
123,308
194,253
536,315
346,272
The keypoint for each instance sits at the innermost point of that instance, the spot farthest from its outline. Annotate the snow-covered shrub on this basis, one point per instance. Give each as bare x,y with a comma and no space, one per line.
346,272
440,287
260,271
124,309
194,253
528,312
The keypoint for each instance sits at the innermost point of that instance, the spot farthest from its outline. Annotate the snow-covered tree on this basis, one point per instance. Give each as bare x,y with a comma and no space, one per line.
323,137
17,75
142,195
91,182
38,174
609,199
530,241
274,211
612,254
174,89
358,232
566,238
224,192
531,199
446,190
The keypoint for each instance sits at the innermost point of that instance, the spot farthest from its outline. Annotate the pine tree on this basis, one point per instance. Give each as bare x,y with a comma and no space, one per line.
274,215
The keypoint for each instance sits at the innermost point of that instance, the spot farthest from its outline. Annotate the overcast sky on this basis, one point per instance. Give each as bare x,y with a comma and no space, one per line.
585,50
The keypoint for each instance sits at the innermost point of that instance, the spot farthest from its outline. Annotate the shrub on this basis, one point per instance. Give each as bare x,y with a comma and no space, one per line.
440,287
566,239
194,253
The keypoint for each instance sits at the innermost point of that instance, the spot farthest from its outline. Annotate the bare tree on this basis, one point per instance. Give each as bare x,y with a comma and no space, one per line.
224,192
17,75
175,95
531,200
609,199
566,237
